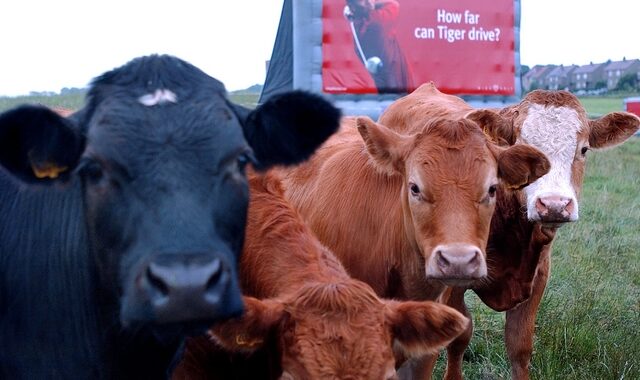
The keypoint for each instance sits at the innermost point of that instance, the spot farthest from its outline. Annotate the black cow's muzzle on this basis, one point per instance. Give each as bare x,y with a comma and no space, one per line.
186,288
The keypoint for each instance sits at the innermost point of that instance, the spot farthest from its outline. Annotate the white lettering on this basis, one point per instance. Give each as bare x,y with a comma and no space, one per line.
451,35
471,18
425,33
450,18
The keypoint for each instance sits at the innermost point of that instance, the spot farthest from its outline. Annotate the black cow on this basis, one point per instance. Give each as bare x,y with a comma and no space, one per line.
121,225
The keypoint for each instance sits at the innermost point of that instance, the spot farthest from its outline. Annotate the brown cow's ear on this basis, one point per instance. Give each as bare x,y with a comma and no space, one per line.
249,331
387,148
496,127
424,327
520,165
612,129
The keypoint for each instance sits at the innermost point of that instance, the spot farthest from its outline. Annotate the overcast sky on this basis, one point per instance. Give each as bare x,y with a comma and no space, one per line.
48,45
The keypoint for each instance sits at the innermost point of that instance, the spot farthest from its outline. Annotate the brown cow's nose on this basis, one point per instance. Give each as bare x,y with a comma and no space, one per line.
554,208
457,261
185,288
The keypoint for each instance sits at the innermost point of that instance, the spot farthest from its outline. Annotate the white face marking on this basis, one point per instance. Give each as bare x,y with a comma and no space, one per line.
554,131
158,97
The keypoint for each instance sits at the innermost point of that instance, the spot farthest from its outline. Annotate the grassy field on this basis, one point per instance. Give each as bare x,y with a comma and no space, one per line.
588,326
595,106
75,101
600,105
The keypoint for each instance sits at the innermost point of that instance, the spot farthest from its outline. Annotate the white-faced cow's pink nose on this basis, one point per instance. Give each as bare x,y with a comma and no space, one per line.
457,262
554,208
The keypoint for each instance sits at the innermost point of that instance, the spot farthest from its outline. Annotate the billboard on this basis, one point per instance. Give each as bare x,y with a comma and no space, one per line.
393,46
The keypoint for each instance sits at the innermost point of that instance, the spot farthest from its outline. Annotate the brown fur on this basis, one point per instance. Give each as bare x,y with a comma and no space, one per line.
301,303
366,216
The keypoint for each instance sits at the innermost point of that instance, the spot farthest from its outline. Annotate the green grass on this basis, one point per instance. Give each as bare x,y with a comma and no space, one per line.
75,101
595,106
247,100
600,105
588,325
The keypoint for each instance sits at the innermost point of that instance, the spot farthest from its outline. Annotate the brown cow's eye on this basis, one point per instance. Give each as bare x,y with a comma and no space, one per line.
585,149
492,190
415,190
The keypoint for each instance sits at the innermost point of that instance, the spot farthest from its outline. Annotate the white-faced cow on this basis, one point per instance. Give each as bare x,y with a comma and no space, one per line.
406,203
519,246
121,225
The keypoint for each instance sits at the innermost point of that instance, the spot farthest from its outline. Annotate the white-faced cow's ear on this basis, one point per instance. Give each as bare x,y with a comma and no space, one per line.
423,327
387,149
251,330
519,165
288,127
612,129
37,145
495,127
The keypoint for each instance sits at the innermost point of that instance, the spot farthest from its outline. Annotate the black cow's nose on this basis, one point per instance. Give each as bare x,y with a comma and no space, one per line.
185,287
173,277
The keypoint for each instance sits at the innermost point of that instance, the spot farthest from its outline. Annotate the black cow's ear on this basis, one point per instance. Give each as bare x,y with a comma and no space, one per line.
288,127
38,145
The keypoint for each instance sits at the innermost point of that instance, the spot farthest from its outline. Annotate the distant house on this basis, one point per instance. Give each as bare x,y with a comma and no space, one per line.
559,78
587,76
616,70
536,77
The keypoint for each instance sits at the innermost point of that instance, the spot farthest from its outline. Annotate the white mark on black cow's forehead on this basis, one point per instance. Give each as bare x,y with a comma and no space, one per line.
160,96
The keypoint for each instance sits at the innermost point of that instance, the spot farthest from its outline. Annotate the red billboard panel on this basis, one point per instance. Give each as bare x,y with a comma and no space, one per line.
393,46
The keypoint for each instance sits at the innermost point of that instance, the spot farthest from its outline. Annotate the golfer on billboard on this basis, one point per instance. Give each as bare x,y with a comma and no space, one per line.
373,24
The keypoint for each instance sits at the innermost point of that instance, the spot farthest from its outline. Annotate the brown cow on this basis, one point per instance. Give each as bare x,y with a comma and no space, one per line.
417,199
326,325
519,245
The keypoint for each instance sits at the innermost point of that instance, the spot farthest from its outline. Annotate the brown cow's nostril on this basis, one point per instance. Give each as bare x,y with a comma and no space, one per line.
476,257
541,207
441,260
569,207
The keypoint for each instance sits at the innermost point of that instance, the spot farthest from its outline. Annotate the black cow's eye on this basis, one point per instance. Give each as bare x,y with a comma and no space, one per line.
246,158
492,190
415,190
243,160
92,171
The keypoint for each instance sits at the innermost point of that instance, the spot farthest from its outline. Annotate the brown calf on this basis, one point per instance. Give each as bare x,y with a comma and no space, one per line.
519,245
406,204
322,323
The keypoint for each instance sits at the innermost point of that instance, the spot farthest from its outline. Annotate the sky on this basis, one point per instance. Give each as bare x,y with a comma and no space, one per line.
48,45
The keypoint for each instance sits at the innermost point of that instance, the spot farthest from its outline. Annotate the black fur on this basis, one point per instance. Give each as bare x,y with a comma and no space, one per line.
143,182
288,126
33,133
